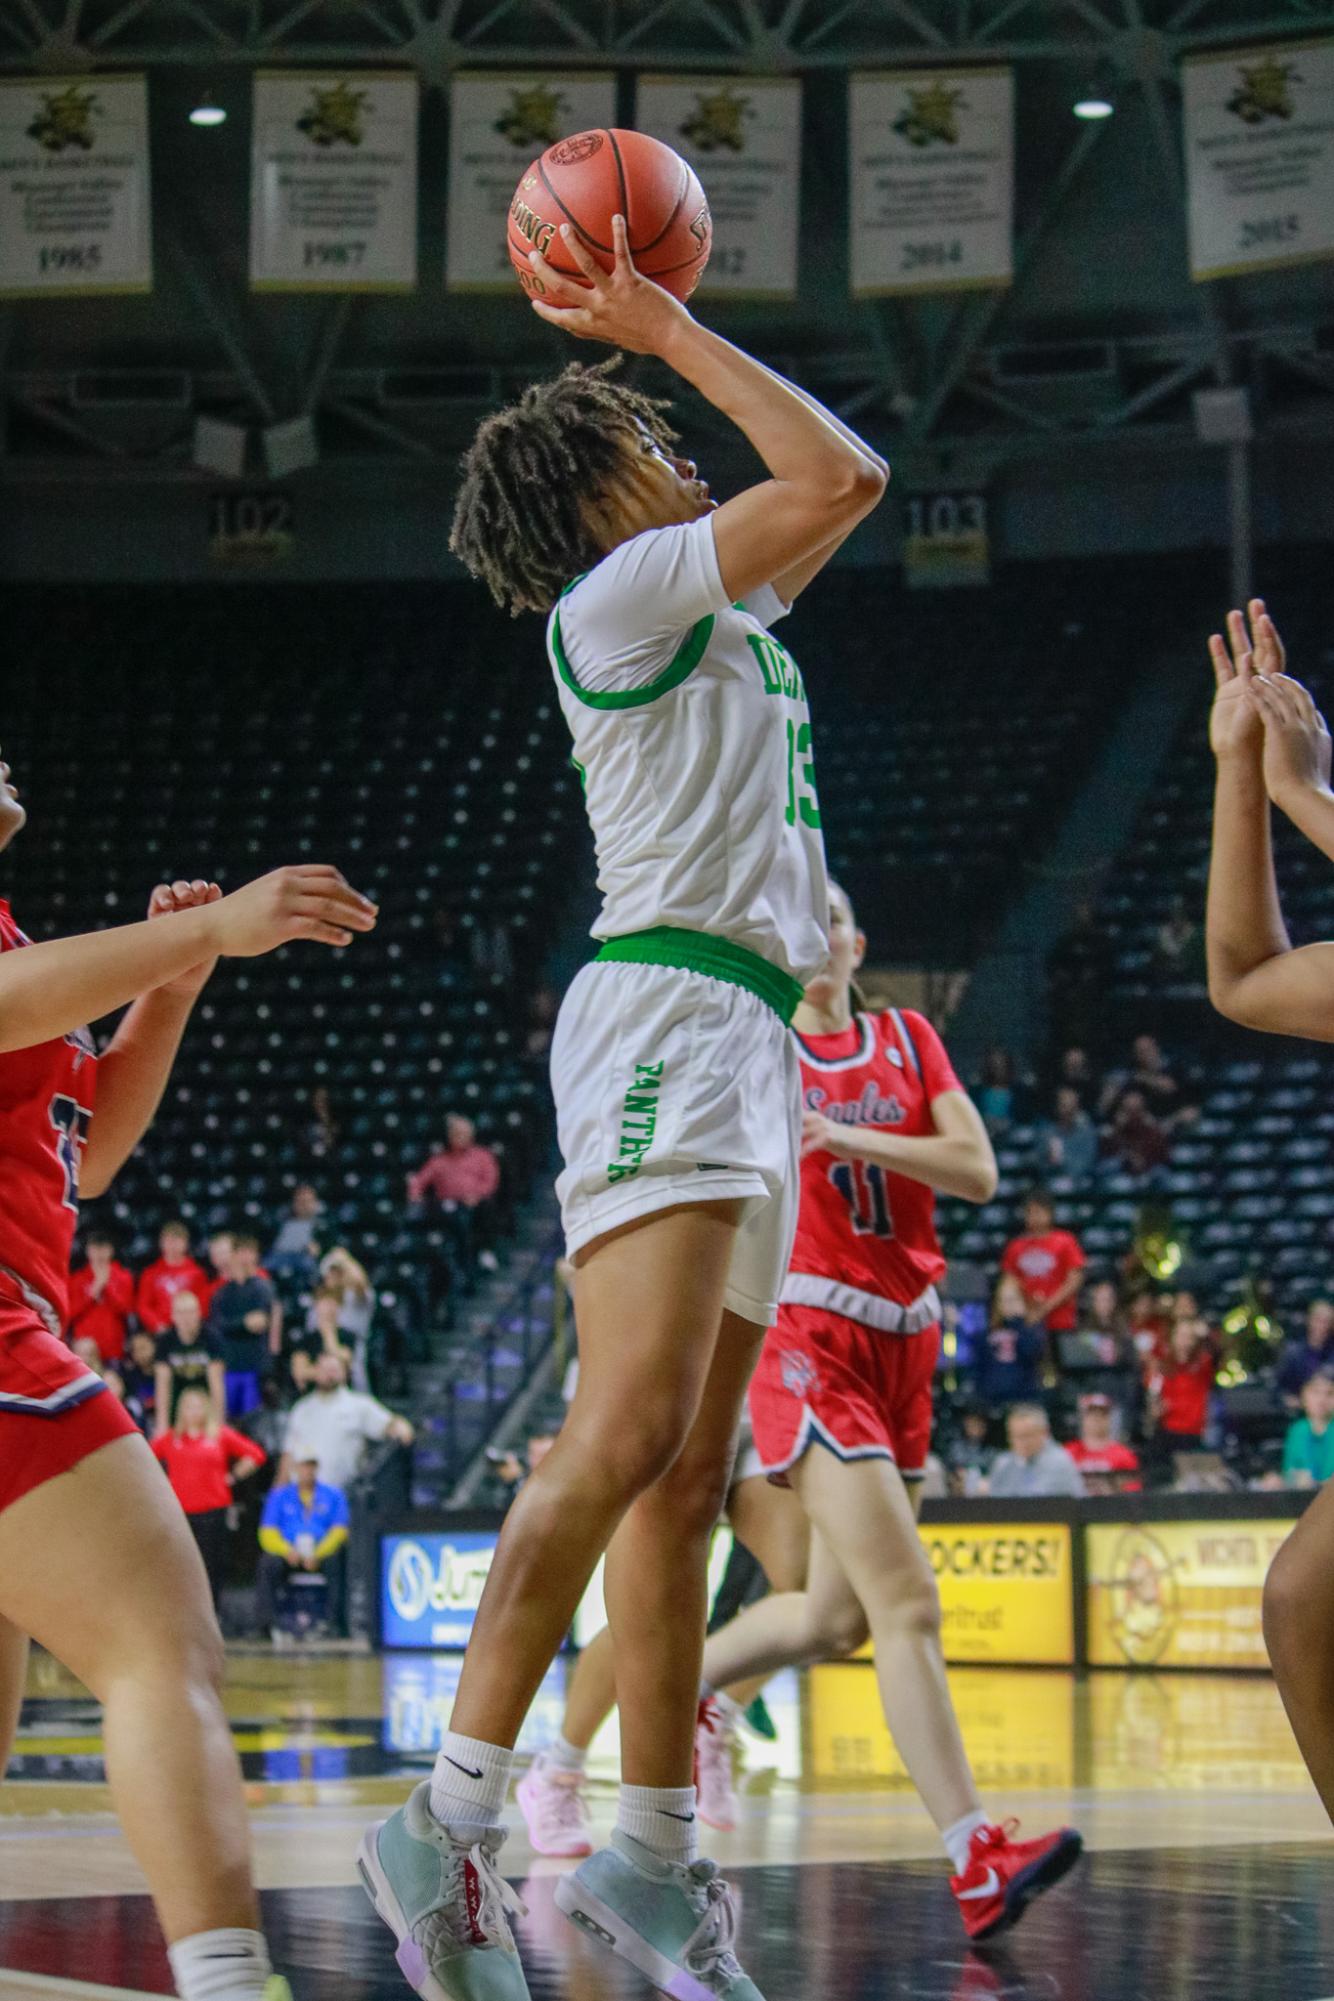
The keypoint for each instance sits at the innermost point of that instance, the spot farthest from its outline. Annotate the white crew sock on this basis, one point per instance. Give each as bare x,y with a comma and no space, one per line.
565,1756
230,1965
663,1819
470,1781
959,1839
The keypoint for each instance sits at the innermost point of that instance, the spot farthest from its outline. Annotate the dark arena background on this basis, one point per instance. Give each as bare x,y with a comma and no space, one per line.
246,332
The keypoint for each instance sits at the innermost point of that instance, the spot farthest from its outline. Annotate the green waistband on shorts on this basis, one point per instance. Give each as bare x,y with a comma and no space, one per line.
718,958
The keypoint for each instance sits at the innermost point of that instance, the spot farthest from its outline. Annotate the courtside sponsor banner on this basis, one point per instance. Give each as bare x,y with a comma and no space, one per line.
431,1586
931,191
74,186
498,122
1179,1594
742,135
1006,1591
1259,142
1018,1728
333,181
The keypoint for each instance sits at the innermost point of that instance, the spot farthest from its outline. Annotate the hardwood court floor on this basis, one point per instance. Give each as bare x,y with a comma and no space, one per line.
1210,1872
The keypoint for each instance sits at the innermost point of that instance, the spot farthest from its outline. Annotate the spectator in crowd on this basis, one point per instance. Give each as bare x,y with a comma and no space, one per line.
319,1137
187,1357
1137,1141
1118,1373
1166,1096
1035,1468
304,1527
138,1373
1010,1355
1308,1450
463,1178
1179,947
1179,1392
172,1271
510,1470
221,1246
1074,1071
203,1461
350,1285
1068,1140
333,1424
1108,1466
995,1092
971,1453
245,1317
268,1425
101,1298
294,1252
320,1336
1150,1320
1300,1360
1049,1265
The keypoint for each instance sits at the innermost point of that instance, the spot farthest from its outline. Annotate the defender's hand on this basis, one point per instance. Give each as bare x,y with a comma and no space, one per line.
1296,739
617,306
310,900
1234,722
170,896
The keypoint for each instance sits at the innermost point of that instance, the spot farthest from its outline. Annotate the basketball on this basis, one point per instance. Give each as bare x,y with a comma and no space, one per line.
586,180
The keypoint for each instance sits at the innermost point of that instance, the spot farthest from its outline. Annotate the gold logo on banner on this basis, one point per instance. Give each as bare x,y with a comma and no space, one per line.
334,116
1263,92
931,116
532,116
1146,1599
65,119
718,121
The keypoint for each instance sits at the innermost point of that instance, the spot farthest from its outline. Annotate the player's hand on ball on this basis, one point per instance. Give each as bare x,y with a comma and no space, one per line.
310,900
172,896
821,1135
1296,738
617,306
1234,721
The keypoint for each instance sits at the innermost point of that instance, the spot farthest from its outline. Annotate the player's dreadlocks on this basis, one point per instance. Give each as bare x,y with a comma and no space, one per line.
522,522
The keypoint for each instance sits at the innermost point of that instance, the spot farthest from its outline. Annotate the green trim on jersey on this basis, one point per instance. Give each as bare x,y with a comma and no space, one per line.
682,664
717,958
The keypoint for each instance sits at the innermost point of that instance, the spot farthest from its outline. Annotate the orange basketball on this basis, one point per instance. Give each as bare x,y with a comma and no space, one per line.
586,180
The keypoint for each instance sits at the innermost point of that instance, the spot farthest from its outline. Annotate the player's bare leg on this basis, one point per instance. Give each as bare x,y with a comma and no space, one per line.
13,1675
99,1566
1299,1633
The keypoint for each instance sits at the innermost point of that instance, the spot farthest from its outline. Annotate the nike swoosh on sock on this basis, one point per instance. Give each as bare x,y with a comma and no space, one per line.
686,1817
466,1770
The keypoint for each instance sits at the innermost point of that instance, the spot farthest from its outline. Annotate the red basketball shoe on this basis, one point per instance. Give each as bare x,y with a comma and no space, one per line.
1004,1875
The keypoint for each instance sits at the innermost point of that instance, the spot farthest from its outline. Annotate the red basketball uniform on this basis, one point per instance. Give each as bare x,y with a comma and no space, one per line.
46,1100
852,1358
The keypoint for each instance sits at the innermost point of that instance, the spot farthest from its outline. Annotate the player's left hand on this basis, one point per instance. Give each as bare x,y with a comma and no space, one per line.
821,1135
173,896
1296,738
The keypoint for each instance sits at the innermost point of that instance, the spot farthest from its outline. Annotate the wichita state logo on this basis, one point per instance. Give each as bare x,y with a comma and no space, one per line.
1263,92
717,122
334,117
930,117
65,119
1146,1599
532,116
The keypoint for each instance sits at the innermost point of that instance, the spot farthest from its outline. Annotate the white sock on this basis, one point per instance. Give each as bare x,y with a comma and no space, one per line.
470,1781
231,1965
663,1819
565,1756
958,1839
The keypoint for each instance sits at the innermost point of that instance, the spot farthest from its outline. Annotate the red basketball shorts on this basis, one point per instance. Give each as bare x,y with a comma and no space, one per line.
862,1394
53,1410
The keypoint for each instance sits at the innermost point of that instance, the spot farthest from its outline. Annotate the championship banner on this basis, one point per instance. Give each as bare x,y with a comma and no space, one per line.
1018,1728
499,121
743,138
931,193
333,181
1259,139
1179,1594
74,192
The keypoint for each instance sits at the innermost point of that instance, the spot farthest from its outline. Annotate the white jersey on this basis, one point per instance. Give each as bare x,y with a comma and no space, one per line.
692,735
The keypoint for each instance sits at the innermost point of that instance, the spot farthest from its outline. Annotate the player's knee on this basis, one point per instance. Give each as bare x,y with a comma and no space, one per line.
839,1632
692,1492
1286,1605
643,1447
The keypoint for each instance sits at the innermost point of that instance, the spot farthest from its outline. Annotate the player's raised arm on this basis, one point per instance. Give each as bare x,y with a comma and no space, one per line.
1270,742
824,480
50,990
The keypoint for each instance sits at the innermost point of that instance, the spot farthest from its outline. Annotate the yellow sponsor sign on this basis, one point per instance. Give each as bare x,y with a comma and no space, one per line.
1005,1591
1018,1728
1179,1594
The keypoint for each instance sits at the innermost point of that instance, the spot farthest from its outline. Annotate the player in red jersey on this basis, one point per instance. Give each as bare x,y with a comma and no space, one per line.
96,1560
841,1403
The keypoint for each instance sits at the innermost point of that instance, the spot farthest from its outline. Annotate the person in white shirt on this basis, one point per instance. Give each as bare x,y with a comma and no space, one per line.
334,1425
675,1079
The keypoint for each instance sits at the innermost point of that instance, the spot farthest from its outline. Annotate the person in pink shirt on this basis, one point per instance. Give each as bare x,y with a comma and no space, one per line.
462,1178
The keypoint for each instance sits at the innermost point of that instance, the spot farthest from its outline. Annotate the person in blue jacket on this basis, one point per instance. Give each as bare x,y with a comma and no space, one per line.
304,1526
1009,1355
